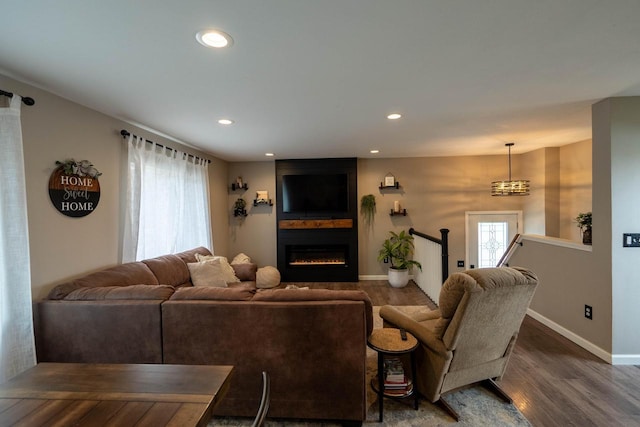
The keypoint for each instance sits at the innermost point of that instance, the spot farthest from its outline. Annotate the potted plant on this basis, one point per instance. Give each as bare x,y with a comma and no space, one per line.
398,249
239,207
584,224
368,209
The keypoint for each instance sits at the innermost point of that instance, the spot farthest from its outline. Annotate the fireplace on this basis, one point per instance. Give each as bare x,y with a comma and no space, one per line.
317,245
316,255
330,258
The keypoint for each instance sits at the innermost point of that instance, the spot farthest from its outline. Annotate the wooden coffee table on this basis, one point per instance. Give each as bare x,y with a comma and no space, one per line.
80,394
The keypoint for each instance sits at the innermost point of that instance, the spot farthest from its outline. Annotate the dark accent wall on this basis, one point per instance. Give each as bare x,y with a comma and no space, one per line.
317,237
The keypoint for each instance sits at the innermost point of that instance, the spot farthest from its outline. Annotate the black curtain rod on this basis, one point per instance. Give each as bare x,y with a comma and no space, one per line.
27,100
125,133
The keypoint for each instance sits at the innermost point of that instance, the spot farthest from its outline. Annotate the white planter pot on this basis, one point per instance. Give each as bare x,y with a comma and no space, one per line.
398,278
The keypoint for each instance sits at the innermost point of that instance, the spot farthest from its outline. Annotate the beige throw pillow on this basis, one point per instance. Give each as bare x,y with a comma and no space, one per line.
215,272
241,259
227,272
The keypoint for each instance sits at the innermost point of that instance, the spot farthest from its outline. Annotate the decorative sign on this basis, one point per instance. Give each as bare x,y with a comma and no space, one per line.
74,189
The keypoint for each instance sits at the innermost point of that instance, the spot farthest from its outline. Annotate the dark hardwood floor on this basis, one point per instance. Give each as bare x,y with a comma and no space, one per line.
552,381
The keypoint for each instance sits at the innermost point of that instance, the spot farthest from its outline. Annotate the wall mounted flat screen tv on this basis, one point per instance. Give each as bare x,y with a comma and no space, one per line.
315,194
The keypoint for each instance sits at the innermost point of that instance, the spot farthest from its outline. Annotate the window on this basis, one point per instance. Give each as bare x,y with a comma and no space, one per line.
167,202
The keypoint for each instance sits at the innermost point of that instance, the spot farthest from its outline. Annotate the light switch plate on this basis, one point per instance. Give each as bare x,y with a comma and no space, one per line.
631,240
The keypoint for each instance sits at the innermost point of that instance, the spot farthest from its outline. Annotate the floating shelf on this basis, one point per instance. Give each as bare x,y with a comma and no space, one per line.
402,212
390,187
257,202
235,186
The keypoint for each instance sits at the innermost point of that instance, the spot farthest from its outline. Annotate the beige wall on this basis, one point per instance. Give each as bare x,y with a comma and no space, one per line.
616,181
436,191
255,234
575,186
569,278
62,247
531,166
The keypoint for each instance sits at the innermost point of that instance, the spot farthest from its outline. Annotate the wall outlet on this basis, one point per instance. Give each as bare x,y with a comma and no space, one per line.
588,311
386,260
460,263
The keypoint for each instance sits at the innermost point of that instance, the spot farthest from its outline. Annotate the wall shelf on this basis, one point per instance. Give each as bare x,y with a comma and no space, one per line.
396,186
258,202
235,186
402,212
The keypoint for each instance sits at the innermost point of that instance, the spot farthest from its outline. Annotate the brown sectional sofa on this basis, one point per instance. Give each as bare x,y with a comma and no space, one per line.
312,342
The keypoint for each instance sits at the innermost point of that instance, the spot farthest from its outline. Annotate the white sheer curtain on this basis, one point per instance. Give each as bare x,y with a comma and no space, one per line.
167,202
17,349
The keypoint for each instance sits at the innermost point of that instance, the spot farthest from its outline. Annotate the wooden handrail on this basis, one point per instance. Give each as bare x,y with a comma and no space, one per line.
507,254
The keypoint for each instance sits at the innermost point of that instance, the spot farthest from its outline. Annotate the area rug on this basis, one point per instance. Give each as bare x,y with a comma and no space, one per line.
476,405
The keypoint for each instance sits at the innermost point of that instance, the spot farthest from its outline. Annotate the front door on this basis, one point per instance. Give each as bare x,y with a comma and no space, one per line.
488,234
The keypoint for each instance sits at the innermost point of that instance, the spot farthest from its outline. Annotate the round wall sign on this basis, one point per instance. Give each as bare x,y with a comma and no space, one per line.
72,194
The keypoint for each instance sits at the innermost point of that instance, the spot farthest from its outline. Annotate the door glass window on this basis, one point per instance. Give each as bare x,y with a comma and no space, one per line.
492,242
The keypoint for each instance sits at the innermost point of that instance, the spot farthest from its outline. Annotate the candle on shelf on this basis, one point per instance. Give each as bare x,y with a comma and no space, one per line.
396,206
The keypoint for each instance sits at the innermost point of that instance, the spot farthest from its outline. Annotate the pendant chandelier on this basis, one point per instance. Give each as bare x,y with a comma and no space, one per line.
518,187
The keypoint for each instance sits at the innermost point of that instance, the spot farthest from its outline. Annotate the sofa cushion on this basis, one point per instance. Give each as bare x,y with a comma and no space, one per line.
131,273
239,293
190,255
131,292
267,277
245,271
62,290
169,270
286,295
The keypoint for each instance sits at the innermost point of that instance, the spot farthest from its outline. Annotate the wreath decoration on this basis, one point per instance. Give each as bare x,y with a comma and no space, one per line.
81,168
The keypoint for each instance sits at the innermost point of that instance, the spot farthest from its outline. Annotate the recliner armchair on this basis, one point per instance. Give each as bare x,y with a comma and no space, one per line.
469,339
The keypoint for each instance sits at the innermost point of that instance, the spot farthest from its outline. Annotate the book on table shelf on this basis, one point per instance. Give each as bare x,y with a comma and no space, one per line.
396,382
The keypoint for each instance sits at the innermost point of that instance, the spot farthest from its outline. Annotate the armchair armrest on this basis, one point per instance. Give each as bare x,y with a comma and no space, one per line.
426,315
426,336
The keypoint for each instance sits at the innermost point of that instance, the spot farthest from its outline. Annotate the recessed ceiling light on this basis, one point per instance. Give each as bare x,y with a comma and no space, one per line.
374,151
225,121
269,154
394,116
214,38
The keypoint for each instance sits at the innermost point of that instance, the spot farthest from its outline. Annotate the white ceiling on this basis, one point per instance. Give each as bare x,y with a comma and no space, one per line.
316,78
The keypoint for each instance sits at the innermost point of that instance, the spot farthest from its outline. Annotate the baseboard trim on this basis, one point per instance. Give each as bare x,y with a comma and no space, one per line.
373,277
626,359
364,277
577,339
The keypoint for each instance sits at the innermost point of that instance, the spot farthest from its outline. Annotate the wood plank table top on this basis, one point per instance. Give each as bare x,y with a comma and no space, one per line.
63,394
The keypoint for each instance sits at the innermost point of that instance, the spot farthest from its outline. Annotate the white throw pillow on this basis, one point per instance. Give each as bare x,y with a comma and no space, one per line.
225,271
206,274
267,277
241,259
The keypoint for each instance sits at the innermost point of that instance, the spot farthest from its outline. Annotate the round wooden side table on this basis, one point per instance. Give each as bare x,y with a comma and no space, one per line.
391,341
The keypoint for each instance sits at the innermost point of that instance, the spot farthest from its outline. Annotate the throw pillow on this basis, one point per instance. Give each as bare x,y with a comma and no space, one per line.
245,271
208,273
229,274
241,259
267,277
